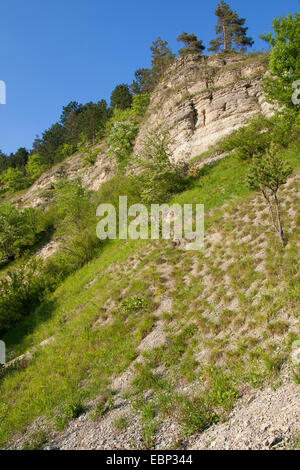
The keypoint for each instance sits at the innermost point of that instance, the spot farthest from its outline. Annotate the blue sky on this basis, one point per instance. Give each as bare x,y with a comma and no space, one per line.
55,51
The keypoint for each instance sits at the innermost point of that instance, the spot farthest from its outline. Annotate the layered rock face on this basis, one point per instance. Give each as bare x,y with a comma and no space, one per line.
42,191
201,100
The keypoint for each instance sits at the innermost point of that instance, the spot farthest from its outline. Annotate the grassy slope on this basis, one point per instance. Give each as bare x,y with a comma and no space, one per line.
241,336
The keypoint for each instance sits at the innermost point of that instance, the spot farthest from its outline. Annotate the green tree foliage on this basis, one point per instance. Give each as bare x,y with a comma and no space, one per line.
16,160
75,221
232,34
144,82
284,61
19,159
52,139
4,162
68,119
191,44
35,167
146,79
121,140
161,58
121,97
21,290
161,178
140,104
13,179
91,121
18,230
66,150
267,175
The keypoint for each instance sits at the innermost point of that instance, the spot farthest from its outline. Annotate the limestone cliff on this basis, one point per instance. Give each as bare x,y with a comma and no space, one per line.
201,100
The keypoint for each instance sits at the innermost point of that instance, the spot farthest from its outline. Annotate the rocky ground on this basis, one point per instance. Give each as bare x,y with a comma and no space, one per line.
261,419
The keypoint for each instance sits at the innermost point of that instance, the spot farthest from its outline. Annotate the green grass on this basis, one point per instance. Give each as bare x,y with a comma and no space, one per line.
99,316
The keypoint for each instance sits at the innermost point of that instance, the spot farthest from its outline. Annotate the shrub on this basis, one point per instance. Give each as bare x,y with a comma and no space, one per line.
18,230
75,221
251,140
13,179
21,291
70,411
161,178
121,140
89,157
256,138
64,151
140,104
284,60
35,167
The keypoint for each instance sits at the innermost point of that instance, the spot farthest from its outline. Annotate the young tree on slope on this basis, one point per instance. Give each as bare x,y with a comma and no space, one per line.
230,29
267,175
191,44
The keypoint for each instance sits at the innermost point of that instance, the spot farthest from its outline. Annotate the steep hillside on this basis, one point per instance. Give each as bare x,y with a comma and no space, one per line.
119,328
162,343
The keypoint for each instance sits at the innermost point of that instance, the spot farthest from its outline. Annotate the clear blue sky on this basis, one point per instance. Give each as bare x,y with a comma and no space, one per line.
55,51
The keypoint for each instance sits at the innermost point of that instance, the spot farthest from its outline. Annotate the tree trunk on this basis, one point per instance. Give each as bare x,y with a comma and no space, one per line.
271,210
280,229
225,37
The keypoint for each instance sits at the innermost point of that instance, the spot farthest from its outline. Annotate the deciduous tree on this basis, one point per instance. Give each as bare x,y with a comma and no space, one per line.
267,175
282,85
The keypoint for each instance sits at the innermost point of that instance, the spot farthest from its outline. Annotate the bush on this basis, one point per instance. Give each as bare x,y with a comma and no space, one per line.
256,138
140,104
70,411
119,185
121,140
18,230
89,157
21,291
13,179
64,151
161,178
75,219
284,60
35,167
249,141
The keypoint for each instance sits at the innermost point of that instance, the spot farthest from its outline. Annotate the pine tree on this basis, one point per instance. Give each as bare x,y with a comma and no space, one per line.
121,97
162,57
191,44
144,82
146,79
230,29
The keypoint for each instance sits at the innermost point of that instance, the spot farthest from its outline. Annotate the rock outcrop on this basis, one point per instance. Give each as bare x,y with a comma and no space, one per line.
204,99
42,191
200,101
